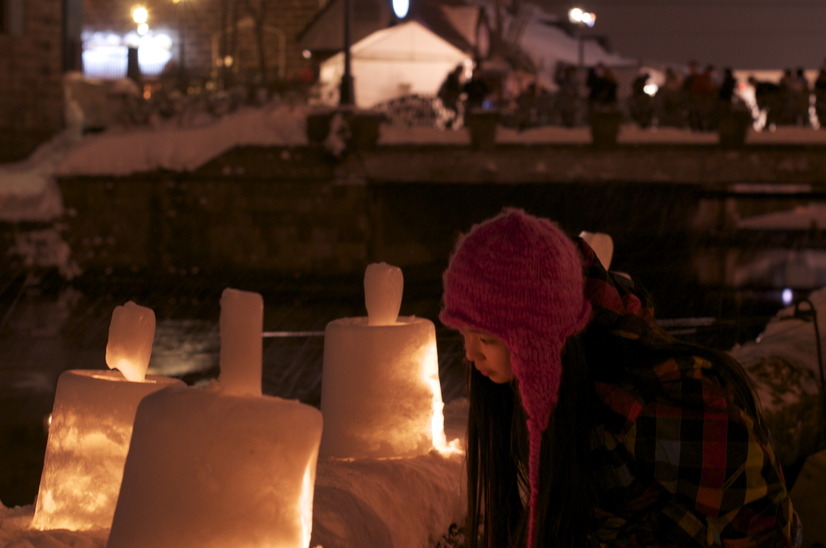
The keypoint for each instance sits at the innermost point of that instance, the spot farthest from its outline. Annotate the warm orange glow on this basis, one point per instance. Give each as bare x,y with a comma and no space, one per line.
431,379
209,469
381,396
89,434
305,502
140,15
131,333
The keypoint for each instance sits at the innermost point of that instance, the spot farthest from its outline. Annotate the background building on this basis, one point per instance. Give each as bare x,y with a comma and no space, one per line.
39,41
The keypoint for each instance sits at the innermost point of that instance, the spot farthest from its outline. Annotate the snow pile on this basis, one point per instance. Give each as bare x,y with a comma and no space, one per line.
393,503
185,149
784,364
28,191
16,531
801,217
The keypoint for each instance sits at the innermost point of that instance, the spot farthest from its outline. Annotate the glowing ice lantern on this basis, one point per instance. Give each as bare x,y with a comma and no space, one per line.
225,465
91,427
380,390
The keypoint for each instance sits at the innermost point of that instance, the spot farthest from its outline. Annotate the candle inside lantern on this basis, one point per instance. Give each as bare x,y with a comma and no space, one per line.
383,288
131,333
241,323
380,389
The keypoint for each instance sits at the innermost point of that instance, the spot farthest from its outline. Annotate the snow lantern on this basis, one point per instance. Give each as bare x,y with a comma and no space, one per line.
222,465
380,390
91,426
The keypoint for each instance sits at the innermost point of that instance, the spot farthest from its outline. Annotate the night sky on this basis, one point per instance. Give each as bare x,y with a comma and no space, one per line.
741,34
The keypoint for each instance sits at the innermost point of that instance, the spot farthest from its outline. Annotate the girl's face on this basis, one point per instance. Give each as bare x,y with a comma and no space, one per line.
488,354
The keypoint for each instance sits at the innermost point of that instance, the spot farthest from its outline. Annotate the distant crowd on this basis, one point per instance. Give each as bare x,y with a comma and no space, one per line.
696,98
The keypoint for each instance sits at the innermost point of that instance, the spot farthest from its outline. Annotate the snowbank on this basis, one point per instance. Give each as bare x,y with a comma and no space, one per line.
184,148
783,362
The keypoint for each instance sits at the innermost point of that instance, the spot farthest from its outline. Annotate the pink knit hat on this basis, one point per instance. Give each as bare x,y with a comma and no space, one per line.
520,278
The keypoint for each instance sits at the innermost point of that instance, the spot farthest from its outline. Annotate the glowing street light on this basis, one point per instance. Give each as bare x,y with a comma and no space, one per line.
140,15
401,8
581,18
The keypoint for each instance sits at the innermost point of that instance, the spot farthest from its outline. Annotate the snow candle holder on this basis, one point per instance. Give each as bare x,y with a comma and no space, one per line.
222,465
91,427
380,391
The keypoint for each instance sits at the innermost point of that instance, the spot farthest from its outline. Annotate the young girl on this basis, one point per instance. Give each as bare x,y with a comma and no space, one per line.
589,425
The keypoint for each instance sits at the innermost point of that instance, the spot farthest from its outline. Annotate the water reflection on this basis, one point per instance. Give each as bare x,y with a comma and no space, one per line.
184,347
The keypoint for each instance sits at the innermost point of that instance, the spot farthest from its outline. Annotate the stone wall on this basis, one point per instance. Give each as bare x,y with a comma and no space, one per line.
266,215
31,109
220,223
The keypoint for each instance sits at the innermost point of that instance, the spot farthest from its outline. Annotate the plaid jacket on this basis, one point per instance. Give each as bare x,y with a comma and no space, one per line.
672,474
674,463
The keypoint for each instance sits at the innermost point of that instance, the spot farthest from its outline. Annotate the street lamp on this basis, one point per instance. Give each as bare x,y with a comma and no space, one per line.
140,16
346,95
581,18
179,7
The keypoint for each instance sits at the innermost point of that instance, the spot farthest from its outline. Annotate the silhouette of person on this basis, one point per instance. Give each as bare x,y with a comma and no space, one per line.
450,93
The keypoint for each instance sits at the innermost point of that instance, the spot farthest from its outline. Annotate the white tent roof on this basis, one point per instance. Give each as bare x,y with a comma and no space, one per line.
403,59
409,41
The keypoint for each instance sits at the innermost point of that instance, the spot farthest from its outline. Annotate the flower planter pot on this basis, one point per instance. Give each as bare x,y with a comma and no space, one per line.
605,126
733,128
318,126
482,127
364,129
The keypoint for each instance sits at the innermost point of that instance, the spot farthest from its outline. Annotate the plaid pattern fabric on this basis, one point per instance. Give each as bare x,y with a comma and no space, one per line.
675,464
618,303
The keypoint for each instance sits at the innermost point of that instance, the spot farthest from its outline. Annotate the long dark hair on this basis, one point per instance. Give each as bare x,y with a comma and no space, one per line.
497,456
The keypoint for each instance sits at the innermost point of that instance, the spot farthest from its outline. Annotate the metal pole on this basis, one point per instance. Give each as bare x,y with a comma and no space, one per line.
581,46
346,91
182,83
